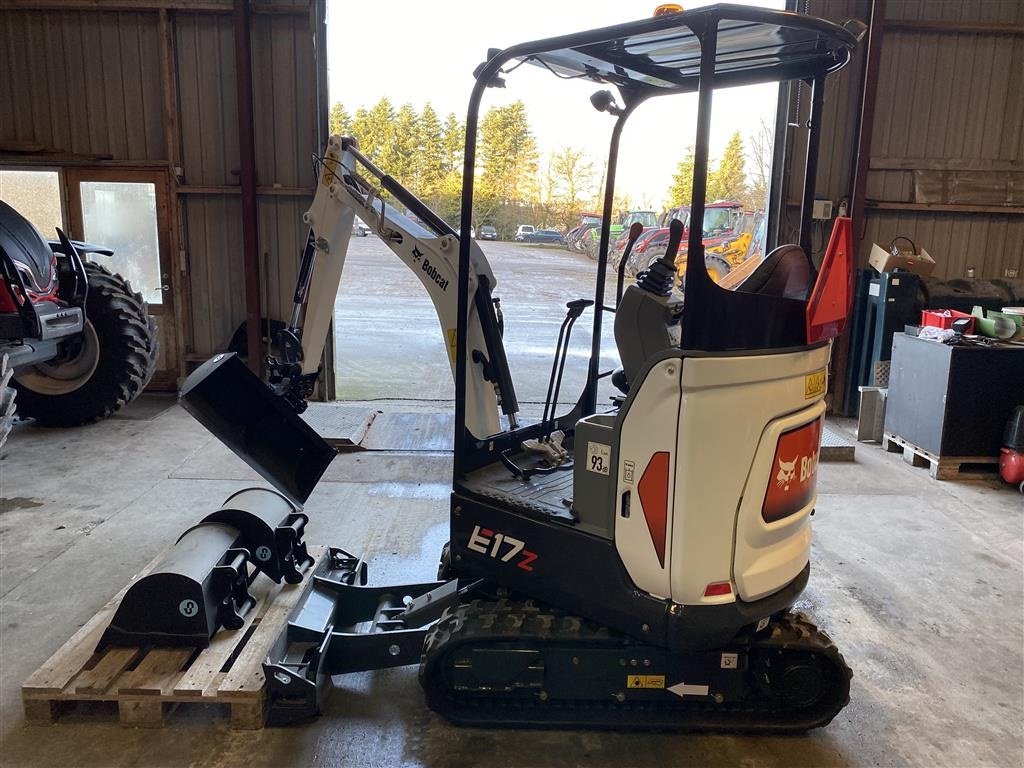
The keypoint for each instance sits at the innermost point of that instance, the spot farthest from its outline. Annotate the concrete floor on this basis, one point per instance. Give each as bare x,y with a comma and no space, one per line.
919,583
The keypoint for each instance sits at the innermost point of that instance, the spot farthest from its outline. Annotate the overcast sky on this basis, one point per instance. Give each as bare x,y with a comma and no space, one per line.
417,51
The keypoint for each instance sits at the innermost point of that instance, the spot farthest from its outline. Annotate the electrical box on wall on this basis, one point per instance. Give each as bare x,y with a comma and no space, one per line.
822,209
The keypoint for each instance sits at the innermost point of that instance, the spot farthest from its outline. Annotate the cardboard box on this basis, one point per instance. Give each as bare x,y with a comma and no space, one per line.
883,260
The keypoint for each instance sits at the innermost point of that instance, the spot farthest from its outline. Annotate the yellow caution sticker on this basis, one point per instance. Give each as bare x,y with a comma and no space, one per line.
645,681
814,384
331,165
452,346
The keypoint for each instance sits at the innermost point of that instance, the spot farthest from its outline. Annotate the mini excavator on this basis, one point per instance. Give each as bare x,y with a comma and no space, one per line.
633,565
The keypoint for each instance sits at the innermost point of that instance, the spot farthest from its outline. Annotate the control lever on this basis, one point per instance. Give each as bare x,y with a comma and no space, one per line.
661,275
635,230
675,237
549,443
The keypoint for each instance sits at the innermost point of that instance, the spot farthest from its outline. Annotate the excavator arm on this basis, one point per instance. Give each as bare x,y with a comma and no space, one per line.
350,184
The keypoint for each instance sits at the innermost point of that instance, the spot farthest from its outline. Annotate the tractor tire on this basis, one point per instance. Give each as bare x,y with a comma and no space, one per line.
116,358
7,404
648,260
716,266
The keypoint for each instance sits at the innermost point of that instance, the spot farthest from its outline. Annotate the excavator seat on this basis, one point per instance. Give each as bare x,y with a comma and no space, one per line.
784,273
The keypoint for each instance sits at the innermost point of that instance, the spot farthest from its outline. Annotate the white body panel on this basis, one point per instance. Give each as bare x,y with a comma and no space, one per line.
434,260
651,426
721,417
727,403
770,554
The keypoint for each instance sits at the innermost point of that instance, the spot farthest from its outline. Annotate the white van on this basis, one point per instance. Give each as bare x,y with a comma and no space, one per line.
524,230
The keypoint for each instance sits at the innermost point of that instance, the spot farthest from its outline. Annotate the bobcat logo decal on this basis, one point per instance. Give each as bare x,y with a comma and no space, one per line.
787,471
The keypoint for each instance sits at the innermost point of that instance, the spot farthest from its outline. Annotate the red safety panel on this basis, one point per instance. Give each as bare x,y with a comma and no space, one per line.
829,304
653,490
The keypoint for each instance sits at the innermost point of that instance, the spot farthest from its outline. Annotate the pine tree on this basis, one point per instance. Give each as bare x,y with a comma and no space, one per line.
682,181
339,120
453,139
729,180
375,131
401,156
507,158
430,160
507,152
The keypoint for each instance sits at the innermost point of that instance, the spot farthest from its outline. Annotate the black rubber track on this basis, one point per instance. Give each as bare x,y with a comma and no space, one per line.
529,625
127,358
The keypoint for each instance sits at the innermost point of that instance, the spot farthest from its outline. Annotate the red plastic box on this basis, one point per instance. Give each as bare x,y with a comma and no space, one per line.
943,318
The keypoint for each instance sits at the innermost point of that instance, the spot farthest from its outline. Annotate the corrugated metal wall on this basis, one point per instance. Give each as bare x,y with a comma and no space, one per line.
79,81
89,83
834,178
949,110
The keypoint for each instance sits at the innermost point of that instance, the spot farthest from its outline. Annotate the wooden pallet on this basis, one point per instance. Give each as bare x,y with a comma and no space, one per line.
939,467
146,683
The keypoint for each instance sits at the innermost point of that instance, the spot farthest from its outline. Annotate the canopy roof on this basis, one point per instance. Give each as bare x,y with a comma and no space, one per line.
662,54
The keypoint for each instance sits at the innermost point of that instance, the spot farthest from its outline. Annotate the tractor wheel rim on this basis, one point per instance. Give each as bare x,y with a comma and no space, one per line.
68,375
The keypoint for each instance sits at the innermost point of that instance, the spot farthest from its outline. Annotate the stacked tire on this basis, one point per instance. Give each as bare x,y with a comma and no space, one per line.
120,351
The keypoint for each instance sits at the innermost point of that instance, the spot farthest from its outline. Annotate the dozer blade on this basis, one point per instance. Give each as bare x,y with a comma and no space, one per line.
260,427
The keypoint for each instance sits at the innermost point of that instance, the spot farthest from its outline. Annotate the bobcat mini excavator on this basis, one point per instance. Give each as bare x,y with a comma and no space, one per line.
626,566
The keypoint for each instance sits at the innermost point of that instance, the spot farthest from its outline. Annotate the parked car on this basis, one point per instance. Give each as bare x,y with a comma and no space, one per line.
523,230
544,236
359,229
487,232
472,232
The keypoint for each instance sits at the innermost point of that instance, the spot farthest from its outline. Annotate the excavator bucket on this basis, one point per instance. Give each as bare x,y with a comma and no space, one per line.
260,427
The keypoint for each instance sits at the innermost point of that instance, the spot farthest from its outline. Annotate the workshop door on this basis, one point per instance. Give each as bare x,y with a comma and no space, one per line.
128,212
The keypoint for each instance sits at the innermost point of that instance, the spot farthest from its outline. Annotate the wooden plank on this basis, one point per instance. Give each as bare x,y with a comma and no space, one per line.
41,711
247,715
156,674
141,714
953,27
203,673
169,91
71,657
99,679
143,694
245,678
231,189
887,205
914,458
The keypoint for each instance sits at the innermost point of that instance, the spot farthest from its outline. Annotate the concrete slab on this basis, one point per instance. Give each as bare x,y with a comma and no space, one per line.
920,584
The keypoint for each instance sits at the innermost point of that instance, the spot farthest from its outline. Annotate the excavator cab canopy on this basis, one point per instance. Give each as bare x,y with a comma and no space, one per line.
695,51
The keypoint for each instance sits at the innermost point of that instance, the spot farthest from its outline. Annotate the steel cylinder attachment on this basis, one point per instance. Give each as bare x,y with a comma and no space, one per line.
271,529
201,585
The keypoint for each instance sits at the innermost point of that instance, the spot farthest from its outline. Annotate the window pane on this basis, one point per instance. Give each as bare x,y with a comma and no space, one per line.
122,216
36,196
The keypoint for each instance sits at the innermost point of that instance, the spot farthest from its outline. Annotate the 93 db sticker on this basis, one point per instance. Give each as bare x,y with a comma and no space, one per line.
599,458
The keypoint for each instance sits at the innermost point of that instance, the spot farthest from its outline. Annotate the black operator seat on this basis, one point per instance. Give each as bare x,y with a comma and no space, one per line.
784,273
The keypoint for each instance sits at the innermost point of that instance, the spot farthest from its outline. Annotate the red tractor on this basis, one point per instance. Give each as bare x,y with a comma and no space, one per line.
76,342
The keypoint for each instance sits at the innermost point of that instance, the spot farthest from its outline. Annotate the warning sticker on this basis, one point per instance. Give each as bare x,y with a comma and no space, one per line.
814,384
451,343
599,457
331,165
730,660
645,681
